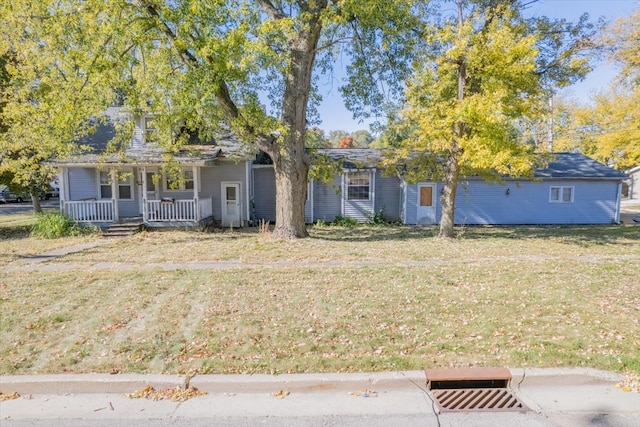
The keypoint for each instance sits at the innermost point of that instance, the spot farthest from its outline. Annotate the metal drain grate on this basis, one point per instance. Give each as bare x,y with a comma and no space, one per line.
473,390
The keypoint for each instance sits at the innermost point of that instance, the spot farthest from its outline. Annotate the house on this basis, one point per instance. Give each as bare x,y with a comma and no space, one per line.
221,182
359,192
633,183
101,189
572,189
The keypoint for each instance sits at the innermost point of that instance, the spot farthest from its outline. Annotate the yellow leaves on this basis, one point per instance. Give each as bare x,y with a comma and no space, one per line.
631,383
177,394
9,396
280,394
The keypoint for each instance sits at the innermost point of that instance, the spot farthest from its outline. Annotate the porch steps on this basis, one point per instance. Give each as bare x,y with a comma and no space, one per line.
121,230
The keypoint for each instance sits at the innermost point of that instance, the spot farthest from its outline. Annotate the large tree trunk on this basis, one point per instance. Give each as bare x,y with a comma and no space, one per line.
449,194
290,159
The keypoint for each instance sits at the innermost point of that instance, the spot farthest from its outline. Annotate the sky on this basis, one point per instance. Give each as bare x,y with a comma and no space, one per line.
335,116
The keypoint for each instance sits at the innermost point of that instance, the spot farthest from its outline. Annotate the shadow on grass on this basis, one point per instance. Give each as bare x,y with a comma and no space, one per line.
13,232
580,235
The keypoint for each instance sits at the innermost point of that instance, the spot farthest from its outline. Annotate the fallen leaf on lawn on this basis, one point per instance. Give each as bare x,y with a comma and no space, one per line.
177,394
280,394
364,393
9,396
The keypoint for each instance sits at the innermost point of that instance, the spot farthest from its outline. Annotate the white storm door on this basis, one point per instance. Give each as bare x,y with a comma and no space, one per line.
426,204
230,204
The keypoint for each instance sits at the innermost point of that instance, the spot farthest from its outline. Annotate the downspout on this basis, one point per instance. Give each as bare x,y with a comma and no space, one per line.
310,195
248,191
618,203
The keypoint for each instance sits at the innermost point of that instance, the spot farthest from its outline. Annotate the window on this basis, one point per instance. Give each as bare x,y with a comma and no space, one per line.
358,186
125,186
561,194
186,183
426,196
150,129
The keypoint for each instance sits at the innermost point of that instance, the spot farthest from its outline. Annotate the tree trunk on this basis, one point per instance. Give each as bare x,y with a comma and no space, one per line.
290,159
35,198
449,195
452,173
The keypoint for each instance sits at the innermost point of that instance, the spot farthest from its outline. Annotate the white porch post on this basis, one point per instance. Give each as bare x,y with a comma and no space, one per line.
145,213
63,189
114,197
196,185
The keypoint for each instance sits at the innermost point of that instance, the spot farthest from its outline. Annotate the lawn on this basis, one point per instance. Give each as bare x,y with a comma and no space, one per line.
347,299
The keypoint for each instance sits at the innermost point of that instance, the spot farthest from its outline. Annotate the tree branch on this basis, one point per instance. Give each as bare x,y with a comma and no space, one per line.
273,12
189,59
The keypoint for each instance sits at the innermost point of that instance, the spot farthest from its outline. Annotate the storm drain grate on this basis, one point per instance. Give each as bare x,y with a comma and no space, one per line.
473,390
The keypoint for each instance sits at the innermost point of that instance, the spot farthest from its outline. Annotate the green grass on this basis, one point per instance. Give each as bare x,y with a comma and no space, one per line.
495,296
17,243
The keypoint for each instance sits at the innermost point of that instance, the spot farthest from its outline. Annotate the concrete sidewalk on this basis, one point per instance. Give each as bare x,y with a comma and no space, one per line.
555,397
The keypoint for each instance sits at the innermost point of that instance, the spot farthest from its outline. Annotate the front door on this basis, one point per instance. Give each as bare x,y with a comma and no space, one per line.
230,204
426,204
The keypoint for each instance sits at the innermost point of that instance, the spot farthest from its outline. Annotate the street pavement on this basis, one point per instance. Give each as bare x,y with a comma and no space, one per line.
554,397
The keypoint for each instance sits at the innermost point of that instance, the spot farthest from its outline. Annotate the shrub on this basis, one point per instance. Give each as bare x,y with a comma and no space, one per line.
343,221
376,218
54,226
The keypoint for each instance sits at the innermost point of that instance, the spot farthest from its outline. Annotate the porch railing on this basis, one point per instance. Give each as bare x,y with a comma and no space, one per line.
90,210
178,210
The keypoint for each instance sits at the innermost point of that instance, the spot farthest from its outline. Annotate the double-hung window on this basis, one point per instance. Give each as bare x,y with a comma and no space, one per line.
186,182
358,186
150,130
560,194
124,186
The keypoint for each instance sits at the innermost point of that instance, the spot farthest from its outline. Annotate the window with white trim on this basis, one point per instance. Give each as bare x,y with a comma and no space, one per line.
125,185
186,183
150,130
560,194
358,186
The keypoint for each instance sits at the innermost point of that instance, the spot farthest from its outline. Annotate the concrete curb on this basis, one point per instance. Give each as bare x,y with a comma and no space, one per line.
126,383
259,383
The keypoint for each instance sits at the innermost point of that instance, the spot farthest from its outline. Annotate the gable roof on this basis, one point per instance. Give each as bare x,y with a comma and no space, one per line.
576,165
354,158
197,152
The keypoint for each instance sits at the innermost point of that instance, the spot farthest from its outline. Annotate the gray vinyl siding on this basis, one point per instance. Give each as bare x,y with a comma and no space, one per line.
82,183
327,200
478,202
137,140
211,179
388,196
264,194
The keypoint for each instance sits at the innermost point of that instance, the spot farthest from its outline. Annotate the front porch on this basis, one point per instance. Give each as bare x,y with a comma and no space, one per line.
166,212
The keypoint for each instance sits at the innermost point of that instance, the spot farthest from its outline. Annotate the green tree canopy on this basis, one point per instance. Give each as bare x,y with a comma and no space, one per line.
200,63
487,66
609,129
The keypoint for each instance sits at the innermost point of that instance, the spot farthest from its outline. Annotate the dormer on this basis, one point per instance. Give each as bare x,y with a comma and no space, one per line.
144,132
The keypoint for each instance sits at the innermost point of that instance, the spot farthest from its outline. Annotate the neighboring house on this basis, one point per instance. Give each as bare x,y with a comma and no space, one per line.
225,184
633,183
102,190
